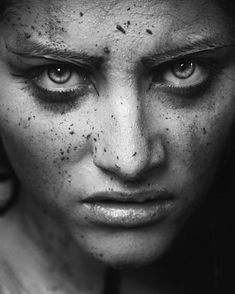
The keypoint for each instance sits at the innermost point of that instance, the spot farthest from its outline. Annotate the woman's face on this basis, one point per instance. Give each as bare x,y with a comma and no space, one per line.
114,115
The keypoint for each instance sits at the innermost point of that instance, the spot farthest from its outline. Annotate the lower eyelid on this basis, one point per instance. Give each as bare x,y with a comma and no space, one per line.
185,90
57,96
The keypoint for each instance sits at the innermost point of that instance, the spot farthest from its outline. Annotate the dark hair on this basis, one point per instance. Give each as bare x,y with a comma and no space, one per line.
204,251
3,7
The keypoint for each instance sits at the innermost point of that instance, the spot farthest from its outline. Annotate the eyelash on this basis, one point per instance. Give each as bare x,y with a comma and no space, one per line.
61,96
211,65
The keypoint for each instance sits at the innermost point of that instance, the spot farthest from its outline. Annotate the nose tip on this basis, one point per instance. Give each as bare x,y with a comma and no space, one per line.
128,162
131,165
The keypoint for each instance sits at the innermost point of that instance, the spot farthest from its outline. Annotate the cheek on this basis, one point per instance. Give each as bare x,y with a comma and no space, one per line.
42,146
195,149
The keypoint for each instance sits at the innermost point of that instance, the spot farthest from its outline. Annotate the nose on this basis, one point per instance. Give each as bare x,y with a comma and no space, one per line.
126,146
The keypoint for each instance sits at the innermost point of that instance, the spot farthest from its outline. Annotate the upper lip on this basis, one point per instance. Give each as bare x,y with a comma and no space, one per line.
125,197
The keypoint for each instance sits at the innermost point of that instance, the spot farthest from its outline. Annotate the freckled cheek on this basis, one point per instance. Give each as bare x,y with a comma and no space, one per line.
196,150
37,142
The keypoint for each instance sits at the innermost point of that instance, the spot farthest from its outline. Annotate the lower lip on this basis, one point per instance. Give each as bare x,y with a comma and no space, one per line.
127,214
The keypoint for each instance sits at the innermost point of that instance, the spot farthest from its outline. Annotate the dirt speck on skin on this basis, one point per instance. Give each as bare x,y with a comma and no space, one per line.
134,154
106,50
149,31
27,35
121,29
117,166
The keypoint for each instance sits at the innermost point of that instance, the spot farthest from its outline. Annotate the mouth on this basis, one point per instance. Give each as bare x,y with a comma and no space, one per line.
128,209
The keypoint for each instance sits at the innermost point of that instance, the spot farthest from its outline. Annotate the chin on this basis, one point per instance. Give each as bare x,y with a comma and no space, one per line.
127,248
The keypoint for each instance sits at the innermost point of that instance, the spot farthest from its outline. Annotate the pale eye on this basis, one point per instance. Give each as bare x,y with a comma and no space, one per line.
184,73
60,78
59,75
183,70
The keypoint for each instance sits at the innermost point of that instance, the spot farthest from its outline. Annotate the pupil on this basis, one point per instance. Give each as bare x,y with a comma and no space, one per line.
59,75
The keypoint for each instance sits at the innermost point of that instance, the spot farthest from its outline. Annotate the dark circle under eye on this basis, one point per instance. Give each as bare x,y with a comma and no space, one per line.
59,74
183,69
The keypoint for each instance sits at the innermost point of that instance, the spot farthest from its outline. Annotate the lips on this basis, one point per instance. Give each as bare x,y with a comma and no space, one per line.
128,209
120,197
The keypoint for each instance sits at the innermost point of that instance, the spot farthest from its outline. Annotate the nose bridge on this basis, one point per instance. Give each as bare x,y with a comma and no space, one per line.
128,122
125,136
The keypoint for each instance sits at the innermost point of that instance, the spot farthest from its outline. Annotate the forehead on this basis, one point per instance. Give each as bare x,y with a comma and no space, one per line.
117,23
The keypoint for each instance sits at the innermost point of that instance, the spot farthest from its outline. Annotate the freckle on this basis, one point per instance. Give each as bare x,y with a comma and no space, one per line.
81,14
134,154
88,136
121,29
105,150
95,139
95,148
128,9
167,129
149,31
72,133
204,131
33,27
101,255
29,118
117,157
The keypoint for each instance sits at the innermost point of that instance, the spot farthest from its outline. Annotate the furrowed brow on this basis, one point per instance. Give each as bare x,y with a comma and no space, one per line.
32,49
179,52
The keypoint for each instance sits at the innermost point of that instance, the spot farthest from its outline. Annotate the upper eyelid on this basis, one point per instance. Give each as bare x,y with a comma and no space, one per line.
200,57
208,63
39,69
219,55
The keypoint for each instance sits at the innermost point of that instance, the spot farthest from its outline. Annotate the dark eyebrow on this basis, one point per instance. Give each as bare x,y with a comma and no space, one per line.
32,49
179,52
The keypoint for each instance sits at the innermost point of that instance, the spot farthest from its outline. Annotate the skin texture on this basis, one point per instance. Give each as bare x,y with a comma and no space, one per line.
121,135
